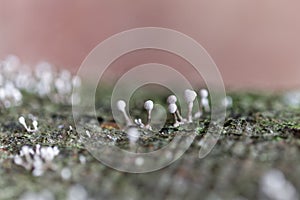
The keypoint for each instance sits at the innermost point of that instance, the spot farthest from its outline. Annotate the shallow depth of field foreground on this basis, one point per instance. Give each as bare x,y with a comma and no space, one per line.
256,156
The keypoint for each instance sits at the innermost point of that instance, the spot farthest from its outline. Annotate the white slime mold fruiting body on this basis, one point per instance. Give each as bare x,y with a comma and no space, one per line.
172,109
190,96
172,99
121,105
28,129
148,105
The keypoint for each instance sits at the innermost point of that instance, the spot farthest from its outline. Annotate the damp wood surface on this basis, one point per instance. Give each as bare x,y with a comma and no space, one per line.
260,133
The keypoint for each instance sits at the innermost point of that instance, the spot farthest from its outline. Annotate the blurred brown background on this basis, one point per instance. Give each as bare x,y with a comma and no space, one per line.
255,43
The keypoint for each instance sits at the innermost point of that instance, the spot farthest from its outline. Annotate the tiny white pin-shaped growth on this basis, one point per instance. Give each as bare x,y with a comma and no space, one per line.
22,122
190,96
204,100
148,105
172,99
28,129
121,106
172,109
88,134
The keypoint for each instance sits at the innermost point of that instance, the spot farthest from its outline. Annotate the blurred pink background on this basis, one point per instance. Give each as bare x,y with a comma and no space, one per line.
255,43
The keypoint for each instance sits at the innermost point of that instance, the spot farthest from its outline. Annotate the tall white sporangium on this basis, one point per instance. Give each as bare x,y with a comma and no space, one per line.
121,105
148,105
190,96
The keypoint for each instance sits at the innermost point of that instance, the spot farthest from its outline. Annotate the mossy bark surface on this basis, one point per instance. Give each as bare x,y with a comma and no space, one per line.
260,133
